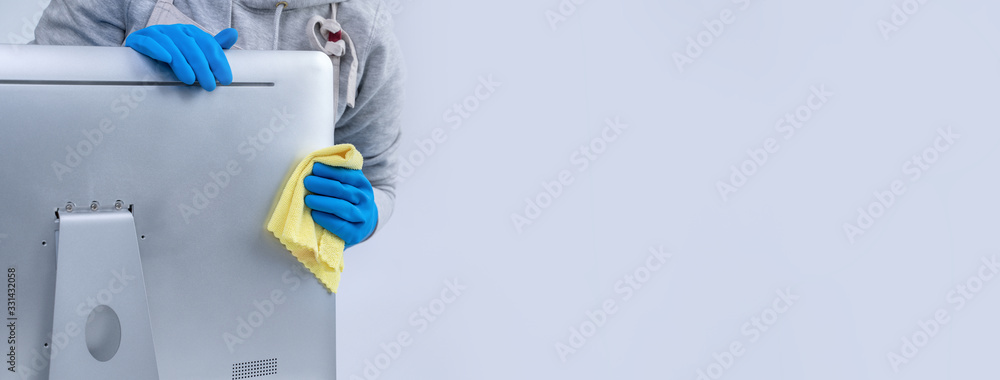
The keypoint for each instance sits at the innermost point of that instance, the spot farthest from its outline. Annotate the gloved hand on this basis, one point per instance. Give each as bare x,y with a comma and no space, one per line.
343,202
189,51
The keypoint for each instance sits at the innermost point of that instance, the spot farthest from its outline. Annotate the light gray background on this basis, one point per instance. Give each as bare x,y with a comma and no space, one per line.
655,185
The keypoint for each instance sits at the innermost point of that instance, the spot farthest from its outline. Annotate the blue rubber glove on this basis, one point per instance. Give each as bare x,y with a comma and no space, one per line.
342,202
190,52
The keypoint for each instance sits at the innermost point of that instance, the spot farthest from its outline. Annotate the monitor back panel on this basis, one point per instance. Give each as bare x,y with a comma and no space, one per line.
201,171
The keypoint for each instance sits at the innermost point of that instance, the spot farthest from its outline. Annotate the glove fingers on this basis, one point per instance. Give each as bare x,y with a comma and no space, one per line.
178,62
227,38
195,57
148,47
346,176
215,56
335,206
345,230
333,188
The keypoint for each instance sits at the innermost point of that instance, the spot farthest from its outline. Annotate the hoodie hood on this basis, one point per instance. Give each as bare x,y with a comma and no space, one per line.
269,5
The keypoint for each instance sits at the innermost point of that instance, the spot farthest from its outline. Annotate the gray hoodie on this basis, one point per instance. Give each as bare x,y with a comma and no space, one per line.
372,125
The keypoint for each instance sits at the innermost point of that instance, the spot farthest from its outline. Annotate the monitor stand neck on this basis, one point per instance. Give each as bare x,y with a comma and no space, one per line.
101,295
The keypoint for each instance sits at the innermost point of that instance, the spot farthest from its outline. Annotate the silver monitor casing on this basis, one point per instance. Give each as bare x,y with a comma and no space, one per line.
198,172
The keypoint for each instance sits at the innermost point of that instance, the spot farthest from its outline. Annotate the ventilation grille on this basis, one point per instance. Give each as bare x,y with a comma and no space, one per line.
256,368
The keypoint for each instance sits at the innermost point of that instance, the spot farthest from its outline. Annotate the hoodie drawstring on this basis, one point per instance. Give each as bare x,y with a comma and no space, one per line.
336,45
280,6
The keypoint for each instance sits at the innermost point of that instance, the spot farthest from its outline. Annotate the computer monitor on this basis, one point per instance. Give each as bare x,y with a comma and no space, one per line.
133,211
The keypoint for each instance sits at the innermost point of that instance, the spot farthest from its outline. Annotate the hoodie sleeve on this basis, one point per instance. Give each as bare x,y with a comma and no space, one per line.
83,23
373,125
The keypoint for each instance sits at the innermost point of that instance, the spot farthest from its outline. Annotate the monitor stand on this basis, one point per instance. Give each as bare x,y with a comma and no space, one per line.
101,295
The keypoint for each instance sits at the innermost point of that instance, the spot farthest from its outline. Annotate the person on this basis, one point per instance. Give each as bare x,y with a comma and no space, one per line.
191,35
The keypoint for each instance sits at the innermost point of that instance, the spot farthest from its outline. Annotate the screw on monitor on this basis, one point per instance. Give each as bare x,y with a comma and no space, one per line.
70,206
94,206
119,205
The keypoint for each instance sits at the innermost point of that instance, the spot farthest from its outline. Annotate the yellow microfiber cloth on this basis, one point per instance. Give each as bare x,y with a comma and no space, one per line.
291,222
